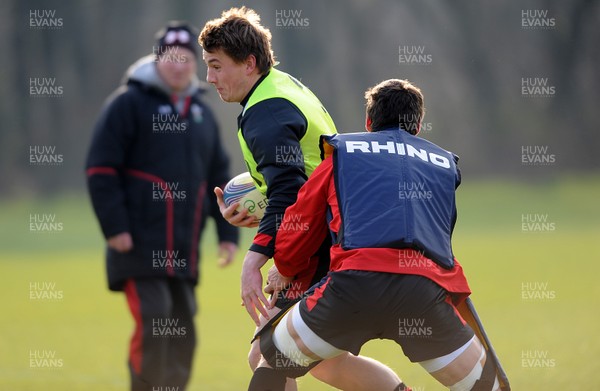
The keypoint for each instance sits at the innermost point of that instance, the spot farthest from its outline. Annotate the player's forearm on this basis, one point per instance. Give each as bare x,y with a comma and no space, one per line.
253,261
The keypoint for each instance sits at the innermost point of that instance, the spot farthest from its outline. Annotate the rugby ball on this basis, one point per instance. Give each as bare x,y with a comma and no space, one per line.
242,189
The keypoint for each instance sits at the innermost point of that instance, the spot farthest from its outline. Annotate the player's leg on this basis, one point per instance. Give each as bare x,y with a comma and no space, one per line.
461,369
345,372
281,357
293,347
344,305
254,355
148,300
183,341
432,332
350,372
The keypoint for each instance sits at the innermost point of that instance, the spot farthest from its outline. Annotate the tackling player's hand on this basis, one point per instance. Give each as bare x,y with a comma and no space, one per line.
276,283
253,297
229,213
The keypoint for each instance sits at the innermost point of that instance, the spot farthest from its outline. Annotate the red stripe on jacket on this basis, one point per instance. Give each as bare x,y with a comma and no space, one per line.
101,170
196,227
136,347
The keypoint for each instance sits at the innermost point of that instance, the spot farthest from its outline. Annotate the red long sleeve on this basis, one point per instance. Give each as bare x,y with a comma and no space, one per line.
304,224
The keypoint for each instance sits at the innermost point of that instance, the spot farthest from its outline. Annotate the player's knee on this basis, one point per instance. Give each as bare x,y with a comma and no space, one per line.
468,382
279,348
324,373
481,377
475,381
329,370
450,369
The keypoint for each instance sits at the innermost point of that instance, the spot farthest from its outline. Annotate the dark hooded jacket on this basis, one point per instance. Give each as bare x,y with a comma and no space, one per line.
153,162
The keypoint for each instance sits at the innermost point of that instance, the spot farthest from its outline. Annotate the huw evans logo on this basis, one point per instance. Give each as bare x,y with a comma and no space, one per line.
168,123
163,259
537,222
167,191
291,19
414,327
537,19
169,54
284,360
44,222
537,291
414,191
537,87
44,20
409,258
44,359
167,327
44,155
44,290
410,123
291,222
537,359
289,155
413,54
44,87
537,155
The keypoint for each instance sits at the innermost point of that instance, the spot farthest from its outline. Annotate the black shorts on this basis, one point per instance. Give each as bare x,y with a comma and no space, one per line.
352,307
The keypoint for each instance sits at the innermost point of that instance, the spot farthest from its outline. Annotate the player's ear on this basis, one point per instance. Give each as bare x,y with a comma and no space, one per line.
418,128
250,64
368,124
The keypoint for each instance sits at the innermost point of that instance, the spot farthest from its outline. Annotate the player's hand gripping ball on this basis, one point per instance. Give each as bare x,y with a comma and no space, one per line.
242,189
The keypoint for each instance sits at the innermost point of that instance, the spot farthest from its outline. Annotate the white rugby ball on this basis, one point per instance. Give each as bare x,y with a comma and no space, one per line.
242,189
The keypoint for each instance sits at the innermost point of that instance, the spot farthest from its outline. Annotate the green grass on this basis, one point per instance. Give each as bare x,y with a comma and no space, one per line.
89,328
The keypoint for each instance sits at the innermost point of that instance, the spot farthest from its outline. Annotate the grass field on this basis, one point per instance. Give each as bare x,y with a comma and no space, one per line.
535,291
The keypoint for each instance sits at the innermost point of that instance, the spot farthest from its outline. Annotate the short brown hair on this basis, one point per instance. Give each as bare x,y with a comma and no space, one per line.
394,103
238,33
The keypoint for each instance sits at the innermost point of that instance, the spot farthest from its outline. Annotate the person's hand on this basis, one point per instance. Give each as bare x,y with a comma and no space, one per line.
276,283
227,251
253,297
229,213
121,242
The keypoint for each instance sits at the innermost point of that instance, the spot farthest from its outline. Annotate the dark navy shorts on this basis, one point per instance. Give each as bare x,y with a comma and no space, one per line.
350,307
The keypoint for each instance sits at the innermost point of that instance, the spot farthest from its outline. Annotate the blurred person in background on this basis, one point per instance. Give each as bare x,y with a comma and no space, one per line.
155,151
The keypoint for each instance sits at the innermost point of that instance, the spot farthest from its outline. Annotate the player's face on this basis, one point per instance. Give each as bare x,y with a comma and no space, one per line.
231,79
176,67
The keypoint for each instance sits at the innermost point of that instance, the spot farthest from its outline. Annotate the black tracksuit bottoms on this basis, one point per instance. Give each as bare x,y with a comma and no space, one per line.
162,345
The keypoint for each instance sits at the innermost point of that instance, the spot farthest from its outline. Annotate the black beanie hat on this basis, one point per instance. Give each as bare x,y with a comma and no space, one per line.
177,33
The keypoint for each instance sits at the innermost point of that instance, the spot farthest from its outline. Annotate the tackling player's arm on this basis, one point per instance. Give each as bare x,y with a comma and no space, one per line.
304,225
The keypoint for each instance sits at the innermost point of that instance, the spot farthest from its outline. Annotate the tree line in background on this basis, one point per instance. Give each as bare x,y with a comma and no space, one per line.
510,87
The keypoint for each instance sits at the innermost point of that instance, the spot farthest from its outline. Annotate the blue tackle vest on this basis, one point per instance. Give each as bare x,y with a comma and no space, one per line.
394,190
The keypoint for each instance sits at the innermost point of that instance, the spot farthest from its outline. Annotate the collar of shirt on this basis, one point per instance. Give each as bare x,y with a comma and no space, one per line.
245,100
